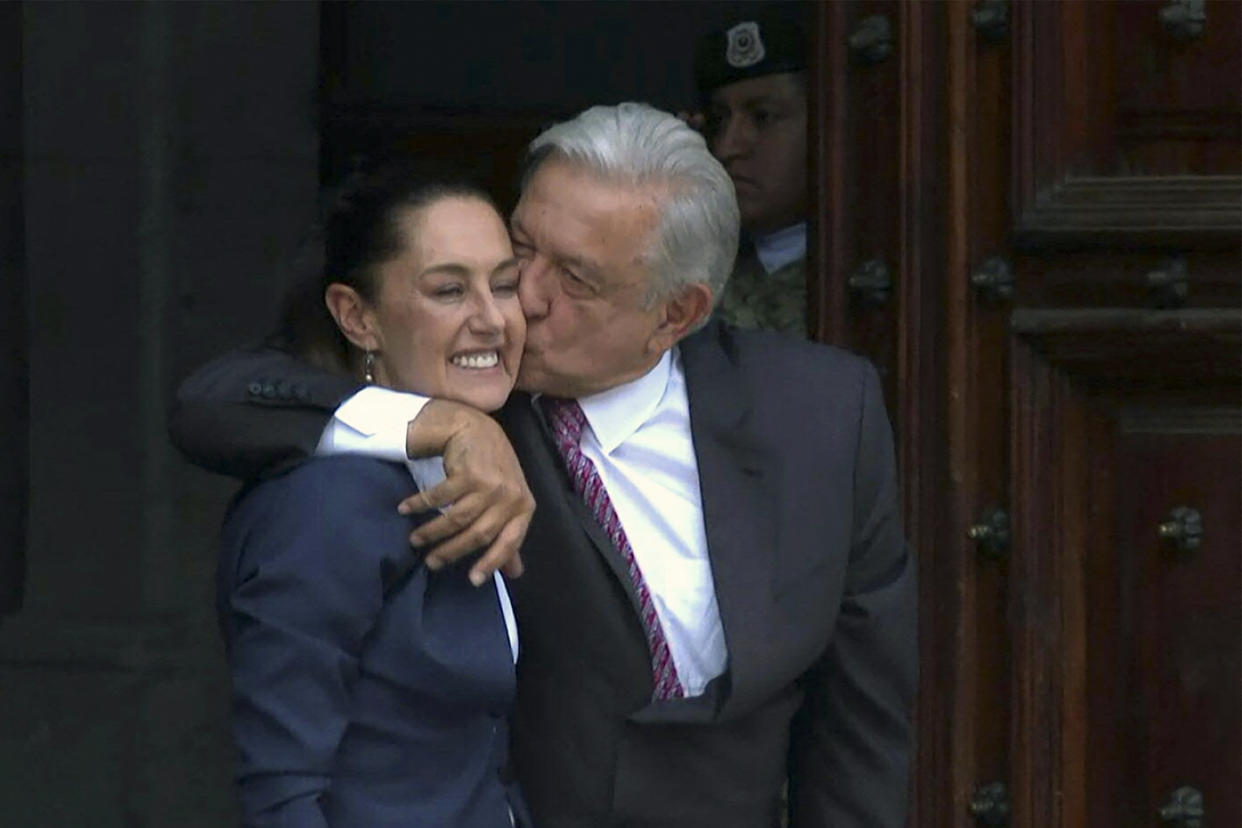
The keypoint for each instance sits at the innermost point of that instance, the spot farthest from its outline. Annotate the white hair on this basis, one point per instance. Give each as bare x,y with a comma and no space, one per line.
637,145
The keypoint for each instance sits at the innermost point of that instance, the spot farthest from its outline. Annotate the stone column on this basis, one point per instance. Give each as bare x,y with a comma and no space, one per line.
169,160
13,336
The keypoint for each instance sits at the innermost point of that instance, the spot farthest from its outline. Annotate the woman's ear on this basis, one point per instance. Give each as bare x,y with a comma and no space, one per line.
353,316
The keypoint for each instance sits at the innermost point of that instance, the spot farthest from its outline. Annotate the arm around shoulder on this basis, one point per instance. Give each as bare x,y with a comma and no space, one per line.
853,742
252,413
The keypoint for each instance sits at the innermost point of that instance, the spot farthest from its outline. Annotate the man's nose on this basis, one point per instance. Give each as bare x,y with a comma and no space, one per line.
733,138
535,288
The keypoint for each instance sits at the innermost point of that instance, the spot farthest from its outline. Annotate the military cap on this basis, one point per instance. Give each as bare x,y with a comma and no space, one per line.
748,48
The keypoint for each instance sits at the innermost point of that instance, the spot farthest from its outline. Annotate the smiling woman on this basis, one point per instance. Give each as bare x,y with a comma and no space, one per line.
444,319
417,290
368,689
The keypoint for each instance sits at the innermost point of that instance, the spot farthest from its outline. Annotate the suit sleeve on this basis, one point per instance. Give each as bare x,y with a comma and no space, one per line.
307,589
254,413
852,742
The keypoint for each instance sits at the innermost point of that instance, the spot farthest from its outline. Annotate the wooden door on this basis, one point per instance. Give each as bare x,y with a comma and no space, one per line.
1125,415
1057,190
878,279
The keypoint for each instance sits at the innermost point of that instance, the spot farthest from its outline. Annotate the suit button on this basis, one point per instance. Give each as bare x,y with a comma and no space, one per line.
285,390
255,389
300,392
269,391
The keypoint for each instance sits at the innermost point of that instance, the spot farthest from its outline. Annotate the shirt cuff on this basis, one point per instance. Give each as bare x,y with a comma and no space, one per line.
374,422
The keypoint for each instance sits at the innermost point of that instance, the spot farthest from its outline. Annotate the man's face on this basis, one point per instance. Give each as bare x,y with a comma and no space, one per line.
757,128
583,286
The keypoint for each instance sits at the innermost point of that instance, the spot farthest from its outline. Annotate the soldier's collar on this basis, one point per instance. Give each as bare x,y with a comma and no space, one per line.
775,250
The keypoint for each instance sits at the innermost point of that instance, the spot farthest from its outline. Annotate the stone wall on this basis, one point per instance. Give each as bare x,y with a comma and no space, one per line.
170,160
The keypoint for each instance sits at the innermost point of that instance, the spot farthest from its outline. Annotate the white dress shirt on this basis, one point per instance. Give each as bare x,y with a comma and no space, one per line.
640,442
373,422
639,439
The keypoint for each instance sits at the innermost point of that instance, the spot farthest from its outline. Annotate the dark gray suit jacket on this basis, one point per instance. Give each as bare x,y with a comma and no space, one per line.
815,588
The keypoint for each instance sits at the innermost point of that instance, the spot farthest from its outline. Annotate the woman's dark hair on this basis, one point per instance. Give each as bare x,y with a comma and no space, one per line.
359,230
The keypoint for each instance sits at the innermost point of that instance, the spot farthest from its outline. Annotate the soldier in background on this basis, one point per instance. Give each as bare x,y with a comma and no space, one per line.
752,87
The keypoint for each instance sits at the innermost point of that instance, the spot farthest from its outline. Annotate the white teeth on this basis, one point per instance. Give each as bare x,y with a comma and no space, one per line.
484,360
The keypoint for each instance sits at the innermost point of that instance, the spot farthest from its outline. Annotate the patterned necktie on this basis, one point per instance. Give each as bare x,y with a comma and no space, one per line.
567,421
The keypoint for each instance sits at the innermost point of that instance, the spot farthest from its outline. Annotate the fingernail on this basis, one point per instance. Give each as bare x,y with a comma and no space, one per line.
403,508
477,578
415,541
433,563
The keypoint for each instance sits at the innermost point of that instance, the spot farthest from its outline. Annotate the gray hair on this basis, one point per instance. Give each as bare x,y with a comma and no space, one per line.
637,145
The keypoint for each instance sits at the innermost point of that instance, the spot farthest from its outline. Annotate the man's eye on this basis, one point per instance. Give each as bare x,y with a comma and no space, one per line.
575,282
449,291
505,288
762,118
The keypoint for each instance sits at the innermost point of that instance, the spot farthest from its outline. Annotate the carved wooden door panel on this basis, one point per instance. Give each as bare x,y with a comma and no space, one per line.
1178,602
1062,339
876,286
854,107
1125,577
1124,583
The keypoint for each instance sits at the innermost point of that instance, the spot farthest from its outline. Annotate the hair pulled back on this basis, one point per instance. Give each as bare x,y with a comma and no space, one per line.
359,230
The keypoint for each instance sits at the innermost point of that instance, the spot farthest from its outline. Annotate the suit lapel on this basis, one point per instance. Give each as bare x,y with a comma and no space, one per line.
739,504
524,418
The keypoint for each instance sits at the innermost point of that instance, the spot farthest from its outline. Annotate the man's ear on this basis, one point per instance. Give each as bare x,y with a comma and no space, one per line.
353,316
682,314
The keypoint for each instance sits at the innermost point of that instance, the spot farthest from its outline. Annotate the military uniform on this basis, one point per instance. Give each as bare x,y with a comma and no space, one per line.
755,298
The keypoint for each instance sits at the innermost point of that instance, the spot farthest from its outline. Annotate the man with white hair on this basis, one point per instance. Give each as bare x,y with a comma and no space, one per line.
717,599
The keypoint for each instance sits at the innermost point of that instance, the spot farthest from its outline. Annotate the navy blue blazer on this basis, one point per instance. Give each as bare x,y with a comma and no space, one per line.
366,692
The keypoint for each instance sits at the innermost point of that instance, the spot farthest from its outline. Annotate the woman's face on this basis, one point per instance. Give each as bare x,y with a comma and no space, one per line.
446,316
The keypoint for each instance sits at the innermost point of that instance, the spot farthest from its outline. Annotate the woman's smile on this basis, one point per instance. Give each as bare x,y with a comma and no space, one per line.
477,360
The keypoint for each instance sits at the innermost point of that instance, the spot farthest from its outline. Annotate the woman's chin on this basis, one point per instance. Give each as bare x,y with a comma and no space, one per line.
484,394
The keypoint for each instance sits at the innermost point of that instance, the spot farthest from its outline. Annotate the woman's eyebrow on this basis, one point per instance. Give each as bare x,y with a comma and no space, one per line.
447,269
458,269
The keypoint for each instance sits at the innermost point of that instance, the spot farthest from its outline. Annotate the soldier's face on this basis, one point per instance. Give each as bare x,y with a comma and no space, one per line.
757,128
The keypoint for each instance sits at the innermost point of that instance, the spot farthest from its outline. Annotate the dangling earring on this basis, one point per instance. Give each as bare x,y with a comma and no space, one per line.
368,367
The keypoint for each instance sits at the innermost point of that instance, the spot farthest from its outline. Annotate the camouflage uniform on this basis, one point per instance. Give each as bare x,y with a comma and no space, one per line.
756,299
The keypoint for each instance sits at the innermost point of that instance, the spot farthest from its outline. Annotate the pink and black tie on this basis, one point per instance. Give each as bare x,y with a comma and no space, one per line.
567,421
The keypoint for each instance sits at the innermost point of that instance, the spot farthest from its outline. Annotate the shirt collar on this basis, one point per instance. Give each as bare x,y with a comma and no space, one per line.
616,414
775,250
